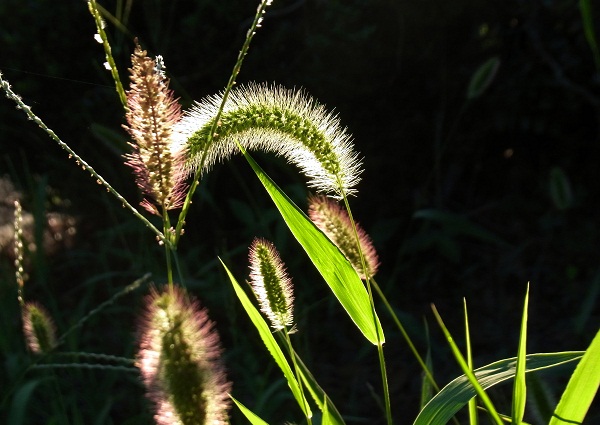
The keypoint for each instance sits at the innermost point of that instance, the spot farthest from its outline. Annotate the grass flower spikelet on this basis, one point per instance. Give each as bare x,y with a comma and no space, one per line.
180,363
334,221
38,327
152,113
271,284
273,119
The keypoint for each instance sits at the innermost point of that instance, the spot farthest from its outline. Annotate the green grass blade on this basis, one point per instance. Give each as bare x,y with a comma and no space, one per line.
330,413
520,387
483,77
581,389
327,258
270,343
457,393
427,388
20,401
249,414
587,19
487,402
473,416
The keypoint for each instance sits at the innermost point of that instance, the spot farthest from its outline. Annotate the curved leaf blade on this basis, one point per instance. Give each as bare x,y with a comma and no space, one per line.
327,258
457,393
581,389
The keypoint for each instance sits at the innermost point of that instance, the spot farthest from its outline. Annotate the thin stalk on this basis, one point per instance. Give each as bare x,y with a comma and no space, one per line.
407,338
384,380
168,247
36,362
78,160
485,399
108,358
88,366
297,372
131,287
258,17
93,7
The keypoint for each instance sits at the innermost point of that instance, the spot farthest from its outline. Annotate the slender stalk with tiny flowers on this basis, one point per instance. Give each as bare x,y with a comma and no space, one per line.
256,23
18,241
78,160
101,35
273,289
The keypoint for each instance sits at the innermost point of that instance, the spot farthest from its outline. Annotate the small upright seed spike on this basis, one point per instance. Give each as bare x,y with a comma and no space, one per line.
271,284
19,254
179,359
38,327
333,220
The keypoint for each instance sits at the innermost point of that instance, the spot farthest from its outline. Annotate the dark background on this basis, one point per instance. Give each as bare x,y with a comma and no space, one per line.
463,197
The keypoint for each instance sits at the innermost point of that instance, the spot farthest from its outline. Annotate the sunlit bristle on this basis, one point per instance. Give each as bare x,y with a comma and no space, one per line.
152,114
334,221
39,328
271,284
273,119
180,361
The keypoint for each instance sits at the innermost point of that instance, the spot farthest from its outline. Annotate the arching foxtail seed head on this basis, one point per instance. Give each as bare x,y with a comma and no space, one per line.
38,327
180,361
334,221
152,113
273,119
271,284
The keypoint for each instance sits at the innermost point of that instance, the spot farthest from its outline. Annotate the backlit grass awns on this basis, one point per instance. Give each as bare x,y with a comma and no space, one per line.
152,112
334,221
271,284
180,362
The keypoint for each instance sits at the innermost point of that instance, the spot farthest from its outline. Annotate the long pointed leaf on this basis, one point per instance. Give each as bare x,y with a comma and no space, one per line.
485,399
270,343
520,387
581,389
473,416
457,393
249,414
327,258
330,412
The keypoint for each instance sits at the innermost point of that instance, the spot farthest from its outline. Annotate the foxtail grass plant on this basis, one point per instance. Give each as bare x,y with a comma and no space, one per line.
179,357
273,289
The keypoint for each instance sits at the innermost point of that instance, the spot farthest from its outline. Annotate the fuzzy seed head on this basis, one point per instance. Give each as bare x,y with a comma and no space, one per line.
180,361
273,119
334,221
271,284
152,114
38,327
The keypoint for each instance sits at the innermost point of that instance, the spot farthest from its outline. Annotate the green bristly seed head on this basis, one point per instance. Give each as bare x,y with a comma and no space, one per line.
184,378
272,119
270,283
179,359
39,328
335,223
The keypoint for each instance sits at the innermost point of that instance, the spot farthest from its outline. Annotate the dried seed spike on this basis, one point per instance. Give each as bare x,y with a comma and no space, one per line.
151,116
